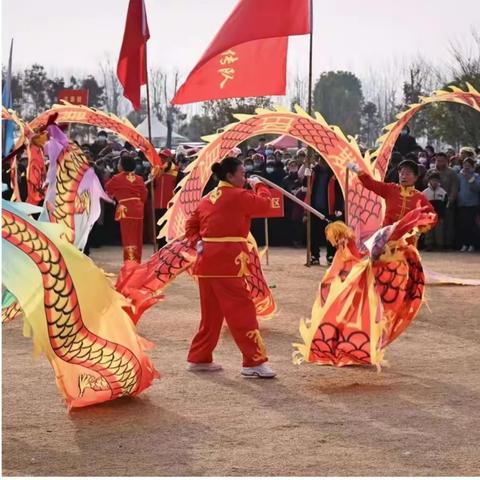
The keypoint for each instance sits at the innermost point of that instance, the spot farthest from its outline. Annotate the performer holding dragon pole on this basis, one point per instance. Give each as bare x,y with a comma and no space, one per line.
372,292
219,228
399,199
130,192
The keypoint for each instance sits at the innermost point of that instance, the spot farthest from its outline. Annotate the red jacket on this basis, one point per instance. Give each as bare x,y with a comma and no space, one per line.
130,192
164,185
399,200
222,222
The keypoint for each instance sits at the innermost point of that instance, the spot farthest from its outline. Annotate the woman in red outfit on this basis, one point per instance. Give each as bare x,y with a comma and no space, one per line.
165,179
130,192
219,228
399,199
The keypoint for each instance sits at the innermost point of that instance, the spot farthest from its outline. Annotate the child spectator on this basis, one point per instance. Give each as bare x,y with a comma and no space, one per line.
438,197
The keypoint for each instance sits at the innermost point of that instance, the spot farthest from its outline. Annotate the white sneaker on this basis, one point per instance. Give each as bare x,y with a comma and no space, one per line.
203,367
471,248
260,371
464,248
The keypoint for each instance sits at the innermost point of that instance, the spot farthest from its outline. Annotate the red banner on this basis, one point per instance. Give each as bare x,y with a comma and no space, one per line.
131,68
277,205
248,55
239,72
74,96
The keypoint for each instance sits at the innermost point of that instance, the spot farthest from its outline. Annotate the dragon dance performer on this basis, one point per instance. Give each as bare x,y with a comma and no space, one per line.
399,199
130,192
372,292
165,178
219,228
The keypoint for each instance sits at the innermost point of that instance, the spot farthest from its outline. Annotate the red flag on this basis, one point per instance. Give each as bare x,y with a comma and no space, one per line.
252,42
239,72
131,69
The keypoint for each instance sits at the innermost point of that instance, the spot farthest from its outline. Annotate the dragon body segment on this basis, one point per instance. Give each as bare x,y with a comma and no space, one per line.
72,166
328,141
104,366
367,298
68,113
381,157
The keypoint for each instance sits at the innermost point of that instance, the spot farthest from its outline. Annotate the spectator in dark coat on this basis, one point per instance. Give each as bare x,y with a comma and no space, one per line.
406,143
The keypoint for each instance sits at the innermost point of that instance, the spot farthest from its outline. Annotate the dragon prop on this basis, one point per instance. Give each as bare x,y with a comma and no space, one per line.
328,141
73,194
74,191
365,207
142,287
367,298
68,113
143,284
470,98
72,314
35,175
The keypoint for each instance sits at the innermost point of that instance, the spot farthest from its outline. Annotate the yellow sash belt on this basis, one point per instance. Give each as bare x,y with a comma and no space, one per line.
224,239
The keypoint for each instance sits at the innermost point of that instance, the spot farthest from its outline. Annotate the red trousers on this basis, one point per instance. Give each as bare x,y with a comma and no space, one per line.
131,230
227,298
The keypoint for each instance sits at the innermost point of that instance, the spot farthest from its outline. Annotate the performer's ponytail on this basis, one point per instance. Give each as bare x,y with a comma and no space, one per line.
217,170
226,166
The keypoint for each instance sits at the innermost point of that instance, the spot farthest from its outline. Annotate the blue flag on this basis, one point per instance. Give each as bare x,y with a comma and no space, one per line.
7,102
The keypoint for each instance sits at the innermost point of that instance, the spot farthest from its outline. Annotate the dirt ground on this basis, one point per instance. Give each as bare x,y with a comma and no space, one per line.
420,416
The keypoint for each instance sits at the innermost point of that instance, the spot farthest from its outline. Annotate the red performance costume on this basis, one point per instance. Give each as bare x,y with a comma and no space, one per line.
222,222
130,192
165,182
399,199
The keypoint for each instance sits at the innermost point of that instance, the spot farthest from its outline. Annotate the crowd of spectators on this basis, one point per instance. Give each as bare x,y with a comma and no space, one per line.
450,180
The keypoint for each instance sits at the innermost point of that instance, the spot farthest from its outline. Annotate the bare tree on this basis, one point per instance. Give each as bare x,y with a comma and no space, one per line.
382,87
297,89
419,81
466,55
457,124
163,88
113,88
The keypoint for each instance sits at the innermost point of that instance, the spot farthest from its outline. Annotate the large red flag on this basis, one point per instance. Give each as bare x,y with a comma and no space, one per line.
131,70
248,55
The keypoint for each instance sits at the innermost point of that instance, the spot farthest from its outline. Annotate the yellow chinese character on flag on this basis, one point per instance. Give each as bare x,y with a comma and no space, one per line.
228,58
227,74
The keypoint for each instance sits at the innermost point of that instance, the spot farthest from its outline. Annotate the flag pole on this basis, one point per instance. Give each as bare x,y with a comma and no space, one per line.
151,185
267,246
309,149
8,81
347,186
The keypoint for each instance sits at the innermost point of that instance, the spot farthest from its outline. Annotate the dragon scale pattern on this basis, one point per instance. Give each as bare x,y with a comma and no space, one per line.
71,341
68,113
72,166
327,141
471,98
